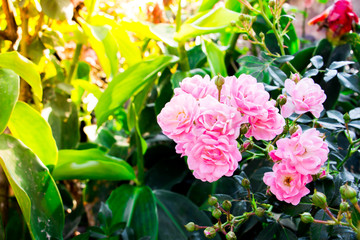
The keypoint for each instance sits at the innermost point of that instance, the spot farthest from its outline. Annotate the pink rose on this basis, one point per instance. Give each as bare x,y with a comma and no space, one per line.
217,118
212,157
198,87
304,96
308,3
244,93
304,152
287,184
267,124
176,119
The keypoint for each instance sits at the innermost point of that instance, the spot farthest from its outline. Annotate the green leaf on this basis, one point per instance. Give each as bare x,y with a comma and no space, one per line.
91,164
64,122
212,21
317,61
130,82
127,48
105,46
339,64
277,75
90,6
349,81
9,93
24,68
58,9
355,45
27,125
34,189
160,32
174,212
216,58
334,114
207,5
355,113
136,206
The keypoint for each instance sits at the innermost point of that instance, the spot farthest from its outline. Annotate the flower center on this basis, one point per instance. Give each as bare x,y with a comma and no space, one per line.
287,181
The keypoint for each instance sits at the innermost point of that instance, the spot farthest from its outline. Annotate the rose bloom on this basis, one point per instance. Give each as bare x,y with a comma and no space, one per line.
217,118
287,184
245,94
197,86
339,18
267,124
308,3
212,157
176,119
303,96
305,152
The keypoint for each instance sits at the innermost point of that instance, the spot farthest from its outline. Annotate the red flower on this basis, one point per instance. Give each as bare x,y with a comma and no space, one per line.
339,18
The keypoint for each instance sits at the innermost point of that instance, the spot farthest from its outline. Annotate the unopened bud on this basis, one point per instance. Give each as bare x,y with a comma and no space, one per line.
233,23
293,129
245,183
245,37
210,232
295,77
244,129
272,3
247,145
348,192
319,199
344,206
212,201
281,100
346,117
226,205
259,212
216,213
219,81
190,227
230,236
242,17
261,35
307,218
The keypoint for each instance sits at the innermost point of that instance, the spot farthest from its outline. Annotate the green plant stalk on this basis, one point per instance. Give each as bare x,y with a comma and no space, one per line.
74,63
139,160
350,152
278,37
184,61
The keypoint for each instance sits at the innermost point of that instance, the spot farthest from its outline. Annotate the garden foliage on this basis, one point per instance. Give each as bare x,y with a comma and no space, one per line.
201,119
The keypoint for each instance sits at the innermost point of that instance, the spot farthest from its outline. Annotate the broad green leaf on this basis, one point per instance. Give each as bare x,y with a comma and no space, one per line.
130,82
9,93
160,32
175,211
233,5
104,44
216,58
88,86
212,21
58,9
91,5
127,48
27,125
136,206
62,115
317,61
24,68
91,164
34,189
207,5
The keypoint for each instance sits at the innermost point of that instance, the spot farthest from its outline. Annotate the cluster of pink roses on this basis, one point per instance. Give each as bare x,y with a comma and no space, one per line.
297,159
205,126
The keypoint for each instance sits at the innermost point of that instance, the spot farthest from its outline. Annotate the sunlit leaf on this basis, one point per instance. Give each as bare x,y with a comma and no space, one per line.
91,164
9,93
27,125
34,189
212,21
124,85
58,9
216,58
24,68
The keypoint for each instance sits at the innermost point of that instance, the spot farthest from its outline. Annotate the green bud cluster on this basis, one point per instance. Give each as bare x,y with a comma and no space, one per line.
348,193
